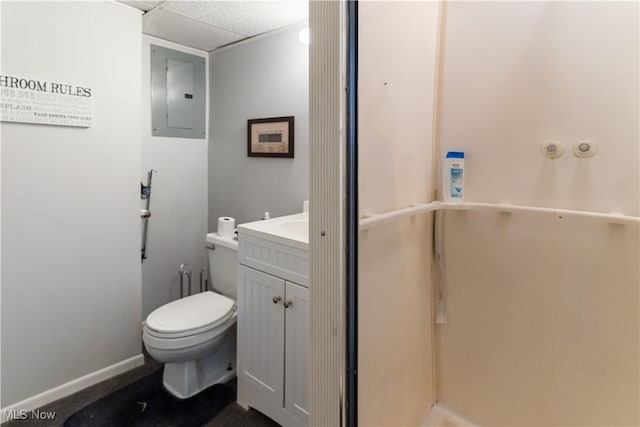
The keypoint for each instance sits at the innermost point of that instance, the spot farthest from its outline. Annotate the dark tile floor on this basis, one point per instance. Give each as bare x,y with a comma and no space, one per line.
232,416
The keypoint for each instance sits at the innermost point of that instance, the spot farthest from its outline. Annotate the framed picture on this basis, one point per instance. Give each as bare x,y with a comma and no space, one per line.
272,137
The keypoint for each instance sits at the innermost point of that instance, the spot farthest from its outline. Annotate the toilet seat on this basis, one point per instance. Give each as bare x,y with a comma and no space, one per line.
181,342
192,315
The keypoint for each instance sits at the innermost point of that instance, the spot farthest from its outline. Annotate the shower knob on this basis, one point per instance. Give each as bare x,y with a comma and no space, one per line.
584,148
552,149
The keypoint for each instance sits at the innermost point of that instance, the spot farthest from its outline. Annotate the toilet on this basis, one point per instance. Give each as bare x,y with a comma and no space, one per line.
195,336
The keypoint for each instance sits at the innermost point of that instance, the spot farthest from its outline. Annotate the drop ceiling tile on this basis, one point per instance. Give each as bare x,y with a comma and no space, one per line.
245,17
186,31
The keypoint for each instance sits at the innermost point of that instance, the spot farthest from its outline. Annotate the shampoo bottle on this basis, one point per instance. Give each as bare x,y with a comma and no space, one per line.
453,177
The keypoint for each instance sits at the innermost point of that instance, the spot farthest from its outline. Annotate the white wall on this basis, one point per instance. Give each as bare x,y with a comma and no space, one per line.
543,312
397,61
70,198
178,222
265,77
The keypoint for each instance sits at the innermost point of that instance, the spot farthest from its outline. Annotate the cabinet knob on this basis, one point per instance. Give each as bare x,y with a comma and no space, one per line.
288,303
276,299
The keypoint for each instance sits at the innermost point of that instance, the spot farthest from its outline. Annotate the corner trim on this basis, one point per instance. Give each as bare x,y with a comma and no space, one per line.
76,385
441,414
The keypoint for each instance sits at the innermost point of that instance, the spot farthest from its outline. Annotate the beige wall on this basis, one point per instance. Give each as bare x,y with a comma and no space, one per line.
517,74
543,312
396,83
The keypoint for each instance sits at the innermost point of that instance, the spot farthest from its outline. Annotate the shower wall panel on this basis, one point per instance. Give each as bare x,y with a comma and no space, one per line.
543,311
396,95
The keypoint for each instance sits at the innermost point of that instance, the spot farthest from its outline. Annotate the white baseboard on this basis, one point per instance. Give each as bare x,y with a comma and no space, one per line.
74,386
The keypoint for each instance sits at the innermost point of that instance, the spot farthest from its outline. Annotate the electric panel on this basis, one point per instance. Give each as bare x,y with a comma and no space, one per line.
178,94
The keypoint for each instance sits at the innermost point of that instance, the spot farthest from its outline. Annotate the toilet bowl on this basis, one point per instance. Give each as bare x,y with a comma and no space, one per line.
195,336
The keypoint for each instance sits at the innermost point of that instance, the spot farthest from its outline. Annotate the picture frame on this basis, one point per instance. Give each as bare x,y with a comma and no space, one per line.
271,137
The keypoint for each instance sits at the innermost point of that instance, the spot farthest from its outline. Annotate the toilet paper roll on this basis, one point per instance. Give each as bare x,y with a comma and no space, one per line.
226,226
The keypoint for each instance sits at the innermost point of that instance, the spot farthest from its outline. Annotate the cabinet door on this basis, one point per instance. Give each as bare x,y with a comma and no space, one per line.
296,399
261,333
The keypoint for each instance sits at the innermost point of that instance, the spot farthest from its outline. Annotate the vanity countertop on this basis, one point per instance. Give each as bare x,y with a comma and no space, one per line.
291,230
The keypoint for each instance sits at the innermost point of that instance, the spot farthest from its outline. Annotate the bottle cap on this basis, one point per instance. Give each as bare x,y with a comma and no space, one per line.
455,155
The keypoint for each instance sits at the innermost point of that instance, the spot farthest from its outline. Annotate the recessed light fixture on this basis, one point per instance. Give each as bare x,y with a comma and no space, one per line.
303,35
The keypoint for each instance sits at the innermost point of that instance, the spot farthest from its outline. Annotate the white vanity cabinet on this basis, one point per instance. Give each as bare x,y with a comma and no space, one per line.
273,327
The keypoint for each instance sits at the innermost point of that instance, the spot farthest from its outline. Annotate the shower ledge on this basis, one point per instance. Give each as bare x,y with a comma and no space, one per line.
374,219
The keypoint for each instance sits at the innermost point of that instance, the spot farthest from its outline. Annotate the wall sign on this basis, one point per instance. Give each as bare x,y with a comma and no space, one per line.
272,137
43,102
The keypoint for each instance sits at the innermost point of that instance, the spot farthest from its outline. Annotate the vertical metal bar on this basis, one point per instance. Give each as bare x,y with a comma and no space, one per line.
145,226
185,270
352,227
181,274
204,281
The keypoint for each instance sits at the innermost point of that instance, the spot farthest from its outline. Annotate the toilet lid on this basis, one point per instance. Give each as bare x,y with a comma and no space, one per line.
192,312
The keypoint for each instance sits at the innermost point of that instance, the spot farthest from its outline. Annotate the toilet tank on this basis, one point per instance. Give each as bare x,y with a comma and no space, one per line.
223,264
